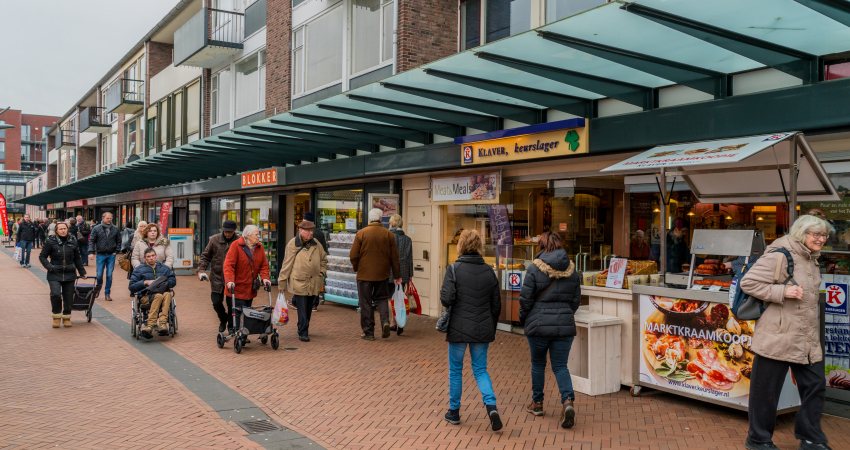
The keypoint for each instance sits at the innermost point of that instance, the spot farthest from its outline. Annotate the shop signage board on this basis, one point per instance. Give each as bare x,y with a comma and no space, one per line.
696,153
836,332
479,188
616,273
182,245
698,348
387,203
556,139
260,178
76,203
164,214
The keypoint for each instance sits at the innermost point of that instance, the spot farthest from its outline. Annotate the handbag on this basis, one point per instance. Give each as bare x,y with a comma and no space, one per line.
399,307
413,298
445,317
257,282
124,262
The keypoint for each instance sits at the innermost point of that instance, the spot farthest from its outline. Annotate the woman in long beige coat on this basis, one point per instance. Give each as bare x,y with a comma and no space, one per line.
153,239
788,334
303,273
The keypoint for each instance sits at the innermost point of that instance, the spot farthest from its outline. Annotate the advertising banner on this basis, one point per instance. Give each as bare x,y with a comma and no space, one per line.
4,220
481,188
836,331
164,215
182,244
387,203
700,349
500,230
570,138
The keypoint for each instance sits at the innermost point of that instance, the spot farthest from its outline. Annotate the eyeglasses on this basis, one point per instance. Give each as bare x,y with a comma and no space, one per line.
820,236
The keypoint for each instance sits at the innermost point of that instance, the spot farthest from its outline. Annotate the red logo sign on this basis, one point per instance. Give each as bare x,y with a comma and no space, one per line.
164,213
265,177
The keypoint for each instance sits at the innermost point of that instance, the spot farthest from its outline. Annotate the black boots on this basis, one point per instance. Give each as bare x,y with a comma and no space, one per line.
495,420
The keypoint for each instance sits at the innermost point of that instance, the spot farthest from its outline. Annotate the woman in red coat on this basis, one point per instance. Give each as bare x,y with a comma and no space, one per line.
245,262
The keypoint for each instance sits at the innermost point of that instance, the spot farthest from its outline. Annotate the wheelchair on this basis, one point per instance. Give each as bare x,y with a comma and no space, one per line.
140,314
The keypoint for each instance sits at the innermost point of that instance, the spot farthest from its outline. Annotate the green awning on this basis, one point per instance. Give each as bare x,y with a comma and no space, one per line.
621,50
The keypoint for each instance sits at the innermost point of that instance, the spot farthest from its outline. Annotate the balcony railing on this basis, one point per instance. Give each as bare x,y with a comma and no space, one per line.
209,38
93,119
66,139
125,96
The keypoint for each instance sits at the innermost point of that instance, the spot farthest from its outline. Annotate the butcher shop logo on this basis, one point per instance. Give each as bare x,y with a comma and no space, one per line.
467,154
515,281
836,298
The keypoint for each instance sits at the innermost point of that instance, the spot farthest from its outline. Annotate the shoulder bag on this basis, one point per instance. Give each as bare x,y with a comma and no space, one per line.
443,321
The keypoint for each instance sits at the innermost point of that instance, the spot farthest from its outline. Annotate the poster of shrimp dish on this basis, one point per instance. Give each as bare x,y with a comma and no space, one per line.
699,348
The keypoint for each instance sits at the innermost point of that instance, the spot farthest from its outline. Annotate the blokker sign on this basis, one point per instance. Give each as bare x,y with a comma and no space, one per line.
265,177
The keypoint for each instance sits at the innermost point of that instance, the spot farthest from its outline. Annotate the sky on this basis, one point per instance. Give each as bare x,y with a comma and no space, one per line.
53,51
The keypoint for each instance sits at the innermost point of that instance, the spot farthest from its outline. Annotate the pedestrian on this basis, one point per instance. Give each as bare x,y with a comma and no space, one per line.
25,236
40,233
246,268
305,267
160,301
139,234
104,242
153,239
72,227
319,236
787,335
62,259
549,298
51,229
405,261
471,291
374,257
83,233
212,259
127,235
15,229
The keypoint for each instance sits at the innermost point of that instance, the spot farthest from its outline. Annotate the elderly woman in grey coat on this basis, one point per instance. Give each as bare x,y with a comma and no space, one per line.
788,334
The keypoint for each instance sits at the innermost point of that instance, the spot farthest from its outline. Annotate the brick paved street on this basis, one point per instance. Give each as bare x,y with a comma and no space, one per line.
337,390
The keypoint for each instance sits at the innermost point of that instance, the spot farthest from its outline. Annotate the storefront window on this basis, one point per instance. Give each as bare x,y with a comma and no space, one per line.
258,211
340,214
340,210
302,205
194,222
229,209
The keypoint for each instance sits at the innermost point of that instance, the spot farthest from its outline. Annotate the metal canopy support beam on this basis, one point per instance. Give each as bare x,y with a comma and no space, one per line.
271,152
427,126
375,128
630,93
286,149
837,10
793,62
277,139
576,106
705,80
350,135
315,137
514,112
466,119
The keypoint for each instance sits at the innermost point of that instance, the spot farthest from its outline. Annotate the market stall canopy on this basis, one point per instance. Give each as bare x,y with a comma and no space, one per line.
752,169
622,53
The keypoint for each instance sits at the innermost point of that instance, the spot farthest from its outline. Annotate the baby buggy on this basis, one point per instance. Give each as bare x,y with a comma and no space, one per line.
140,313
84,295
252,321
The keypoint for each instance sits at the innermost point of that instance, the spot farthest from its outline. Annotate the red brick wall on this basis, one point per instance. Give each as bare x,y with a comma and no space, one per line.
12,140
427,31
51,176
86,162
278,49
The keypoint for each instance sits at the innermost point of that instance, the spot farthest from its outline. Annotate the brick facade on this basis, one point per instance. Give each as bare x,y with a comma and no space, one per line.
159,56
278,54
427,31
13,138
86,161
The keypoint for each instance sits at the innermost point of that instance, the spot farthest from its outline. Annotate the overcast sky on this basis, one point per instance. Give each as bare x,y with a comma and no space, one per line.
53,51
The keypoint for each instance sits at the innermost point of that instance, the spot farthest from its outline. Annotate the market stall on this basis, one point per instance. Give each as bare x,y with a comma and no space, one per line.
684,338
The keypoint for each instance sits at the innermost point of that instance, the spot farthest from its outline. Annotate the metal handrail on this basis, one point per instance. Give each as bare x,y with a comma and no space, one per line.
132,90
226,26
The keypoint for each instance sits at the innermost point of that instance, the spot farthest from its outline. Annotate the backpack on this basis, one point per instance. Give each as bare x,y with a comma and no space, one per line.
743,305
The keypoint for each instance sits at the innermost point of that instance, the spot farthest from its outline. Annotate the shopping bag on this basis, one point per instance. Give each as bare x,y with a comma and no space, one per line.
19,252
413,298
280,316
399,308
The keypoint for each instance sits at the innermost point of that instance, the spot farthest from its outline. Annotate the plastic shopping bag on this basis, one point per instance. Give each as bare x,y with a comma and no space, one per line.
413,298
399,307
280,316
19,252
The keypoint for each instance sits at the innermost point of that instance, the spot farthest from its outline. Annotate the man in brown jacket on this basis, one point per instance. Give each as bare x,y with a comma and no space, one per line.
374,256
213,259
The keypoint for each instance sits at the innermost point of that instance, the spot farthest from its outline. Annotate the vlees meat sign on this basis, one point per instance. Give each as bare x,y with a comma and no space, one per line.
265,177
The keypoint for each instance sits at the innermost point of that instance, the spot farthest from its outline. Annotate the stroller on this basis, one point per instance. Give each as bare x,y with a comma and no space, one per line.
253,321
140,314
84,295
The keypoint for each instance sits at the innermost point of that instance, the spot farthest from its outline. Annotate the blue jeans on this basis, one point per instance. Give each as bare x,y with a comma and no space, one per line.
559,353
26,249
105,262
478,355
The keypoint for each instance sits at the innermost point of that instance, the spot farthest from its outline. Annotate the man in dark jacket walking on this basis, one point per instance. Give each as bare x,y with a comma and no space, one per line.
105,241
84,231
62,259
26,237
374,256
212,259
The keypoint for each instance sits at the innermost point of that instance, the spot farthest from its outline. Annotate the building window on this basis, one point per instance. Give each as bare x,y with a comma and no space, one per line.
2,130
298,61
220,95
2,166
322,50
372,33
193,112
470,30
177,119
150,131
130,135
250,79
26,133
2,150
559,9
26,152
164,109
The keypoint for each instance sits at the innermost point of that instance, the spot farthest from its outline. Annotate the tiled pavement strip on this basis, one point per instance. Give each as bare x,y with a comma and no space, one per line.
338,390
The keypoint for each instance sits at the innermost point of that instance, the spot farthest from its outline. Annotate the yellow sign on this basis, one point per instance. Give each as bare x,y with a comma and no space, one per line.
549,144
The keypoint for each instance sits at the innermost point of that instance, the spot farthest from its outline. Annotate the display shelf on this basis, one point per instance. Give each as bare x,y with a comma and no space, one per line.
341,283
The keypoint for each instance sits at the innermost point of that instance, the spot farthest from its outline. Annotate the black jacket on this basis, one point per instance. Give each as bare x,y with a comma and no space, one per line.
549,311
85,230
472,290
212,260
319,235
104,240
61,258
405,254
26,231
145,272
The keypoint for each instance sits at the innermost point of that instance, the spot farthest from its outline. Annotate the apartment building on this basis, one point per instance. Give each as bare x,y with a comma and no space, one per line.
23,154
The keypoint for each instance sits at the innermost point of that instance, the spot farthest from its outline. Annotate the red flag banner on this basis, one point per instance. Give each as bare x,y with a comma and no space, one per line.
164,214
4,224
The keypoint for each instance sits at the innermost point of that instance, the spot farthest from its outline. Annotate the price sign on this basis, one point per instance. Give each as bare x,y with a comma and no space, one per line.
616,273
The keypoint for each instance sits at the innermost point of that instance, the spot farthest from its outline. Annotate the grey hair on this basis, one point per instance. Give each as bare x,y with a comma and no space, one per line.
249,229
375,215
808,223
396,221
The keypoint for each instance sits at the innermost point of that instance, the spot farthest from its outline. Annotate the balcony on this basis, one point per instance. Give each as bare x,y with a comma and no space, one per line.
66,139
210,38
92,119
125,96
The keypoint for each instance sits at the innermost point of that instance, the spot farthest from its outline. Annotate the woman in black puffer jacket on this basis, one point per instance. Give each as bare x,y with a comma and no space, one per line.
549,298
471,290
61,257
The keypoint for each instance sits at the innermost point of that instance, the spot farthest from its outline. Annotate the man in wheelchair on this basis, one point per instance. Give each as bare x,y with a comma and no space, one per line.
158,294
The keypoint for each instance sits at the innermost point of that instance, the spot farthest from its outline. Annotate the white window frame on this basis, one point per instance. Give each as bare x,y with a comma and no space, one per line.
262,56
343,79
382,62
230,101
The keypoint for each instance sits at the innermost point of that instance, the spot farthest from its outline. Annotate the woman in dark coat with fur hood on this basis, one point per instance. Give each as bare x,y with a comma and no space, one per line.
549,298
